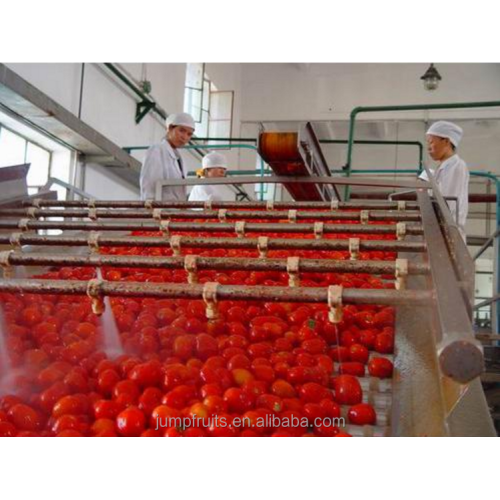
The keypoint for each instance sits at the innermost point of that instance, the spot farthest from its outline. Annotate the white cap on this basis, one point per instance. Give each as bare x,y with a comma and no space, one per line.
447,130
214,160
184,119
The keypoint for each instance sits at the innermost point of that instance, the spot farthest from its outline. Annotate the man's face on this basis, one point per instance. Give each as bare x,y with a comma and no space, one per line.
179,136
437,147
215,172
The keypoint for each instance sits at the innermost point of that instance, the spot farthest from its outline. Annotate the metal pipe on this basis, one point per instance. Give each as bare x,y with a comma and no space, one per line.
282,179
410,107
220,227
487,302
486,244
226,243
375,205
376,215
323,141
215,263
459,354
224,292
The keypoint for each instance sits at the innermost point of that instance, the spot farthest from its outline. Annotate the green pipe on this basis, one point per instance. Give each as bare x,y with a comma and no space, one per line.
151,104
381,142
225,139
409,107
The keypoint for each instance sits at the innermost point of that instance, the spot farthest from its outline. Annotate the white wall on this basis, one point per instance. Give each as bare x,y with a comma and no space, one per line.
331,91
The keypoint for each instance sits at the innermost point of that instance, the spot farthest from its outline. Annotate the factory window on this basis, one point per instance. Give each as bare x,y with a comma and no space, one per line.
16,150
211,109
221,113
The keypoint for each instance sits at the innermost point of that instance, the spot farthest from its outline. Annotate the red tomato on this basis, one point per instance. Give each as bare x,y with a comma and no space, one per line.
76,404
211,390
283,389
352,368
7,429
347,390
339,354
150,399
147,374
359,353
362,414
107,380
179,397
241,376
238,361
25,418
384,343
206,346
380,367
264,373
238,400
314,413
126,392
131,422
270,402
184,346
106,409
314,346
313,393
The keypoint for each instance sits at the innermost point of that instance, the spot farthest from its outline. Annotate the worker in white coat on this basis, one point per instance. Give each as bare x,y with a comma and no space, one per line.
213,165
452,174
164,162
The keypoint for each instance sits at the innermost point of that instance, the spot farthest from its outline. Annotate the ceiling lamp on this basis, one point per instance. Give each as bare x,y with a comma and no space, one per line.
431,78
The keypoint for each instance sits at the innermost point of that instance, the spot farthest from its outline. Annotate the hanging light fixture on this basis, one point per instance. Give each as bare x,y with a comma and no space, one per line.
431,78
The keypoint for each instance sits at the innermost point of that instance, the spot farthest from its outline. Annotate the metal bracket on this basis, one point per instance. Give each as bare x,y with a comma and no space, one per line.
319,227
334,205
364,216
93,241
221,214
165,228
191,267
15,240
142,109
5,264
31,212
335,303
262,246
292,268
239,228
292,216
401,273
400,231
402,205
94,291
92,215
210,299
175,245
354,248
23,224
270,205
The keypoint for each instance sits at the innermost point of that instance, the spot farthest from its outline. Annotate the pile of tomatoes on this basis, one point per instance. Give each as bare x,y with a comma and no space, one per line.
256,361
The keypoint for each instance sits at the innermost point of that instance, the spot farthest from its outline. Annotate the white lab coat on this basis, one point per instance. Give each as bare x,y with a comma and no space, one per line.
162,163
212,193
452,178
